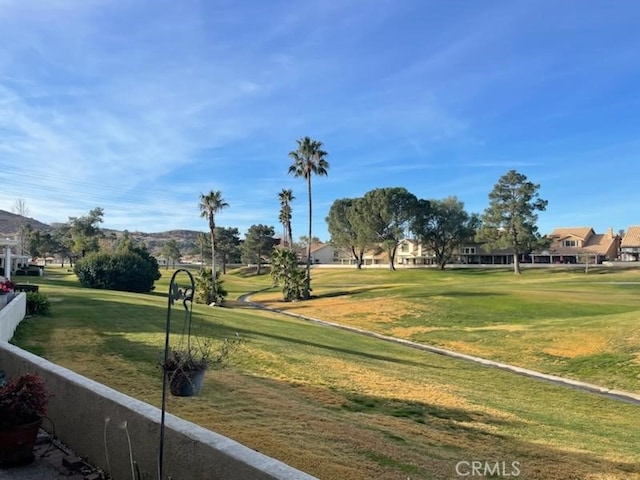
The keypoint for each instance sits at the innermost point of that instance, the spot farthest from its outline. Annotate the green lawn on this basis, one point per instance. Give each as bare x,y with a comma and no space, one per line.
343,406
557,321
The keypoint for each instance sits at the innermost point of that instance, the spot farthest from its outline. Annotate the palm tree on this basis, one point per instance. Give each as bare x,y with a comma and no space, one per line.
308,159
286,197
210,205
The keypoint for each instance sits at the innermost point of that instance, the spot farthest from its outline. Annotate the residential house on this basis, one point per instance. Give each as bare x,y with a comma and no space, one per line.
376,256
411,252
630,245
579,245
474,253
323,253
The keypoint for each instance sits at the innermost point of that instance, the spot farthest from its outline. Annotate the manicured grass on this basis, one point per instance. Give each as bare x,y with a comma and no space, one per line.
555,320
343,406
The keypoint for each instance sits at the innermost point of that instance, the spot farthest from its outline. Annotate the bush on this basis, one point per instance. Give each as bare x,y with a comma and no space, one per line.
38,304
129,271
285,272
203,288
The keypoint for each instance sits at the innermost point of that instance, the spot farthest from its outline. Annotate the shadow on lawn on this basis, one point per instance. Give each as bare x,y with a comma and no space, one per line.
455,434
452,293
117,343
342,293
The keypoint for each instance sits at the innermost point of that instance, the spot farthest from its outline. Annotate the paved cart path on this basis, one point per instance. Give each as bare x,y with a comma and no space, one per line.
619,395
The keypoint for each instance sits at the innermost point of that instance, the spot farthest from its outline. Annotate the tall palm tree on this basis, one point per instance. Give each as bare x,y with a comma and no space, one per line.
210,205
308,159
286,197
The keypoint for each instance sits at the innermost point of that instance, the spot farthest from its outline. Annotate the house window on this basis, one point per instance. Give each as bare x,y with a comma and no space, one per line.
569,243
404,247
469,250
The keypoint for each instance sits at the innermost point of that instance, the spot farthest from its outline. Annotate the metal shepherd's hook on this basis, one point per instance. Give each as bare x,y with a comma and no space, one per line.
175,294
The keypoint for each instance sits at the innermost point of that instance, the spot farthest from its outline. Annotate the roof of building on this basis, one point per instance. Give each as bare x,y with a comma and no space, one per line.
594,243
319,246
632,237
578,232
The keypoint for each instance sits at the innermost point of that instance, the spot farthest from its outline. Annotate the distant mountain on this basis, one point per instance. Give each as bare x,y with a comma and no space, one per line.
10,224
186,240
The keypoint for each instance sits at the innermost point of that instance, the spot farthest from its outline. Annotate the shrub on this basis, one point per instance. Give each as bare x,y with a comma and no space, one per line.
38,304
128,271
203,288
286,273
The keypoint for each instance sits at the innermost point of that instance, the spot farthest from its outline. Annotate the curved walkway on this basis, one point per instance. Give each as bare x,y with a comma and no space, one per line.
562,381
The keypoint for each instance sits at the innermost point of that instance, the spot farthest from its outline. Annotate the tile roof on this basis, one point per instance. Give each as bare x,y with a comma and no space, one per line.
318,246
592,242
632,237
579,232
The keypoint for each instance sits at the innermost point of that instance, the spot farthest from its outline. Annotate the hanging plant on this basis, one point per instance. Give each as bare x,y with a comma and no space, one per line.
185,367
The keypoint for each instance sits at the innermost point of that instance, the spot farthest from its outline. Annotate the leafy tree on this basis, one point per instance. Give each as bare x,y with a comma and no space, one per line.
210,205
286,197
62,243
442,225
304,240
171,251
258,244
388,212
348,231
510,219
228,246
285,272
308,159
32,240
84,232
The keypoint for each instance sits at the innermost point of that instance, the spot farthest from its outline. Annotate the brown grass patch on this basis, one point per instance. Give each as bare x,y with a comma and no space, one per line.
505,328
349,310
577,344
409,332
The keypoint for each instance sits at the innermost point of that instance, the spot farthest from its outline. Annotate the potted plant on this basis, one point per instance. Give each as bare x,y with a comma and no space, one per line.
23,404
6,291
185,367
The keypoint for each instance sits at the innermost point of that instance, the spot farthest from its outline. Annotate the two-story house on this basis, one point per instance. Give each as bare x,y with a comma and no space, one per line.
581,245
630,245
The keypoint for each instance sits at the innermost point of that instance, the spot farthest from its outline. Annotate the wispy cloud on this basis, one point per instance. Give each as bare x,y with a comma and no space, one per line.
139,107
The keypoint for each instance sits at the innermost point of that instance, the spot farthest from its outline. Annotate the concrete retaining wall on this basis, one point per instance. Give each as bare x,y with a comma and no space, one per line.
91,419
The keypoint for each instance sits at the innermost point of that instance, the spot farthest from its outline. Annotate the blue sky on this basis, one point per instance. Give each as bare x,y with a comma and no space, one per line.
140,106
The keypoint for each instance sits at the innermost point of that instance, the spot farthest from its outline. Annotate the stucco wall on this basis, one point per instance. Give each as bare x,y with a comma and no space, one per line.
11,315
85,413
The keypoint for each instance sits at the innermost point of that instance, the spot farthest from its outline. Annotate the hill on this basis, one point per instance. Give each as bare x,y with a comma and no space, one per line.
10,224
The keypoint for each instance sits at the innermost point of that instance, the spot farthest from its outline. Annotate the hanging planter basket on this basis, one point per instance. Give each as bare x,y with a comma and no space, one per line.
185,383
